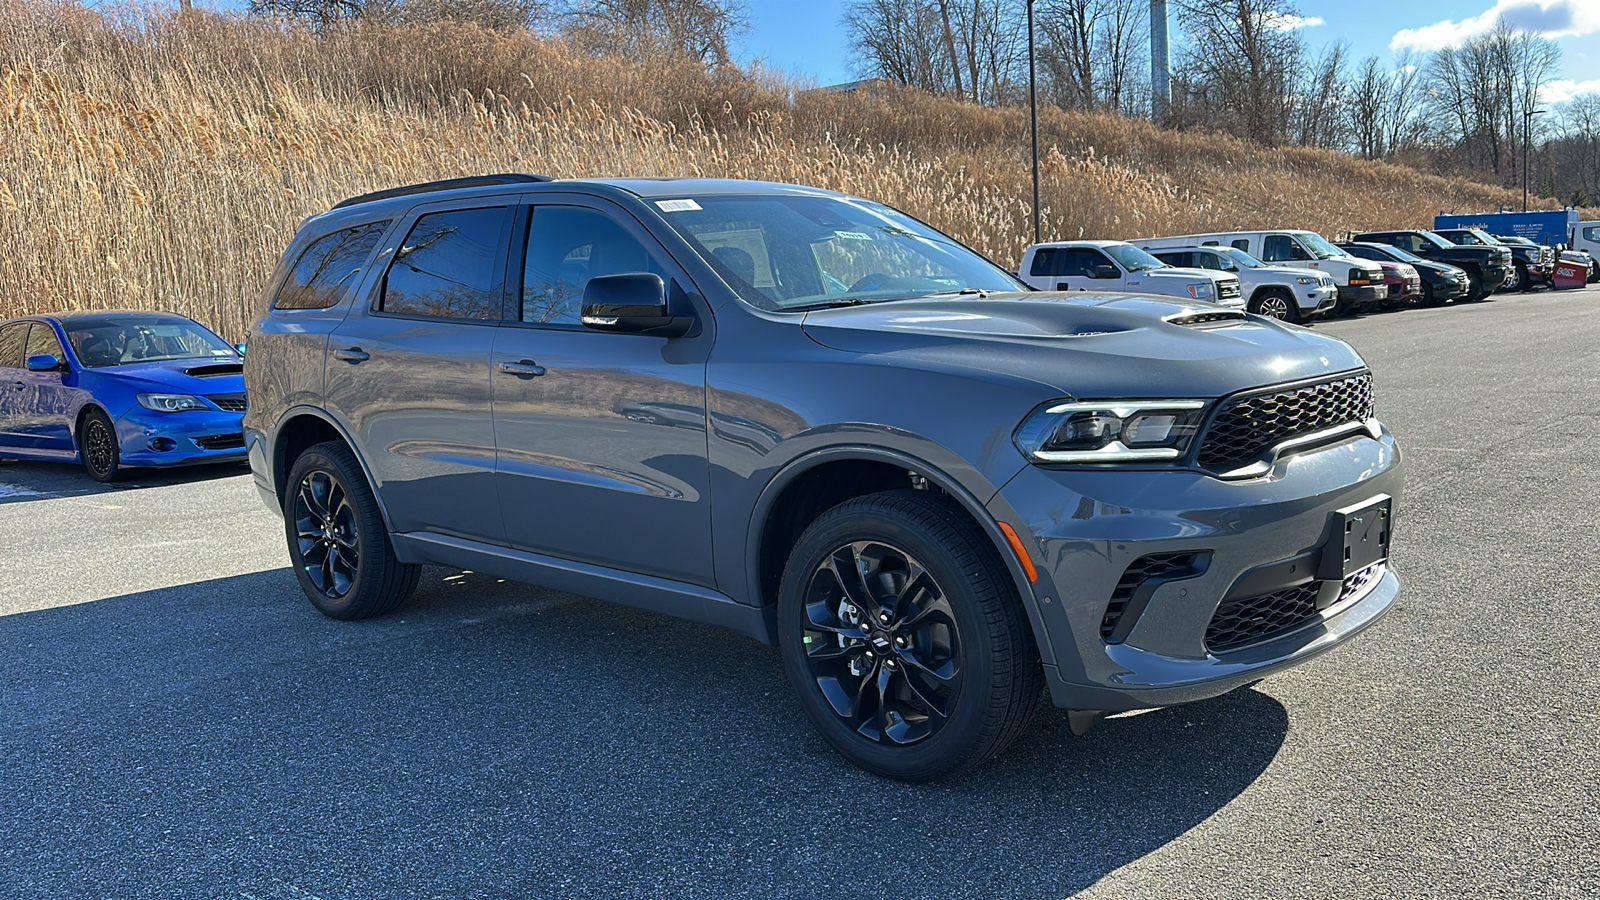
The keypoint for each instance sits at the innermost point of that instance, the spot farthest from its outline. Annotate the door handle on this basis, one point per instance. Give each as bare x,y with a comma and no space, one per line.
352,355
523,369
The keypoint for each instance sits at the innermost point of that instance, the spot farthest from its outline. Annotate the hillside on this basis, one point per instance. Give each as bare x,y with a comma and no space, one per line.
159,163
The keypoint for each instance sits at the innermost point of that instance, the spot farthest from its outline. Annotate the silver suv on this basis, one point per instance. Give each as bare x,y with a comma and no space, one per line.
819,422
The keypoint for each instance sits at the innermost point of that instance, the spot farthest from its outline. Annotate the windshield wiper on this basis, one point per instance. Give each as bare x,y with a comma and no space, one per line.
835,303
980,293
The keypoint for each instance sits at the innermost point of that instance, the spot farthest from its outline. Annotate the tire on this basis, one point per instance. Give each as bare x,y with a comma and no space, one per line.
1427,295
1524,280
330,514
1276,303
98,448
949,680
1594,272
1475,291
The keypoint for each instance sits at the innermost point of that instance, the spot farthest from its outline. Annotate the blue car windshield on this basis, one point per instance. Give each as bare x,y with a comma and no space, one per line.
783,252
113,340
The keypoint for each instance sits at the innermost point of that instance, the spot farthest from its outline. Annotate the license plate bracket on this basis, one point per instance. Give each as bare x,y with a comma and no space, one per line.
1360,538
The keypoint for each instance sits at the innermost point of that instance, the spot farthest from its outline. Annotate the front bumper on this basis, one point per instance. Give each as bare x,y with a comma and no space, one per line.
1450,288
148,438
1360,295
1089,527
1317,299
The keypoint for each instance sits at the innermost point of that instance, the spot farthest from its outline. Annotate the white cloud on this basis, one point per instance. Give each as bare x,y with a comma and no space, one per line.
1549,18
1290,21
1564,89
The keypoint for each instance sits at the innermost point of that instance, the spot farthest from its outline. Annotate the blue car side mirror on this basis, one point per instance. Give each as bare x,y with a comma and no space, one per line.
240,348
44,362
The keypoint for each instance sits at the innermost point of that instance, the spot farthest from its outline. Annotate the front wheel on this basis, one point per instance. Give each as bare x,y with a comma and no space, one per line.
1276,305
1475,291
338,543
97,445
904,639
1524,279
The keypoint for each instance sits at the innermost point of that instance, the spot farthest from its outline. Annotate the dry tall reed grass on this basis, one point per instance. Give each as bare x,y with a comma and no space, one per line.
153,162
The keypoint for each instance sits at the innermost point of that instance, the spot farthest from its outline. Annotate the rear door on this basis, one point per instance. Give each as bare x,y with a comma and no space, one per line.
601,437
409,373
13,341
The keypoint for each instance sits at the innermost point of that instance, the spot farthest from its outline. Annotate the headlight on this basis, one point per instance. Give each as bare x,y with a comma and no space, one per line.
1203,291
1306,279
1359,277
1110,431
171,402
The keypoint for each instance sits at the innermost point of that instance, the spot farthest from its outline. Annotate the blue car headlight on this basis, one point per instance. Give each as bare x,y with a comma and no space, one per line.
1110,431
171,402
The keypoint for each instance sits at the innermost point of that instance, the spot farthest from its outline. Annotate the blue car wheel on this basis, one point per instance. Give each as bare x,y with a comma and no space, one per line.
98,447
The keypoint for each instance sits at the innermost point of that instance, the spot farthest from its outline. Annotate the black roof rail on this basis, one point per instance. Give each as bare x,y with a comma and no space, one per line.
446,185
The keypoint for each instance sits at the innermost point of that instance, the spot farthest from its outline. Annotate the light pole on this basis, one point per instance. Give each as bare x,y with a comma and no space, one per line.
1527,142
1033,123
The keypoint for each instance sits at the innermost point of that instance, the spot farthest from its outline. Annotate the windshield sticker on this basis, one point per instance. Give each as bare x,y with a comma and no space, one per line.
677,205
853,235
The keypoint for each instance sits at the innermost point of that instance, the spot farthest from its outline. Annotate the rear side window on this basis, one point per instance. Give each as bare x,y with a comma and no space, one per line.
12,340
451,265
1177,258
42,340
327,267
1242,244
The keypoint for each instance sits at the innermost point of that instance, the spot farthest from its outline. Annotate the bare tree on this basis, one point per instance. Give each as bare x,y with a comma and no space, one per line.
1090,51
697,29
1240,68
971,49
1317,106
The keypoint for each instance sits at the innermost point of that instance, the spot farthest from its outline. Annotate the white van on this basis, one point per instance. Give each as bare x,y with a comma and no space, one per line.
1586,236
1360,281
1120,266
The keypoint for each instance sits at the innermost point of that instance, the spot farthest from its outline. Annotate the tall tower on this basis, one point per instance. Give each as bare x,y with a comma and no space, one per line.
1160,63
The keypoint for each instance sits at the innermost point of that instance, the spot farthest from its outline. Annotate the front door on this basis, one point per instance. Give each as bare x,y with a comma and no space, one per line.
13,341
601,438
409,374
46,413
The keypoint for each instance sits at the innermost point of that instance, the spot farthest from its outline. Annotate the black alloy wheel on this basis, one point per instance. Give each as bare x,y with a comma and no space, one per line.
904,638
882,643
338,543
97,444
326,533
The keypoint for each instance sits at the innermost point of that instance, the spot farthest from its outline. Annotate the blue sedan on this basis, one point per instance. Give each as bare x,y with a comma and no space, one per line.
119,389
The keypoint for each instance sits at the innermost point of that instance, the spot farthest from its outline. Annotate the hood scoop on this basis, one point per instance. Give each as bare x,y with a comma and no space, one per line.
215,369
1218,318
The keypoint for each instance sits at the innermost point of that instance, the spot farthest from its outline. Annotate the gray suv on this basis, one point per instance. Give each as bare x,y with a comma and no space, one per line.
817,421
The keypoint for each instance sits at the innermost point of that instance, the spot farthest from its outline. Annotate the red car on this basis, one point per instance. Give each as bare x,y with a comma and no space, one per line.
1403,283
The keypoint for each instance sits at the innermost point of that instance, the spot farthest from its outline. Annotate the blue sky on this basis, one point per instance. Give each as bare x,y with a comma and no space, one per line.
806,39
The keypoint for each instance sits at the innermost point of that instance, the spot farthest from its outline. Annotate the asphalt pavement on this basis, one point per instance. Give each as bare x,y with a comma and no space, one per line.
177,721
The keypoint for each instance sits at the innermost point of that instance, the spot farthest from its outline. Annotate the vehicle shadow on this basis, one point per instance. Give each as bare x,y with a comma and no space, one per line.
25,480
492,739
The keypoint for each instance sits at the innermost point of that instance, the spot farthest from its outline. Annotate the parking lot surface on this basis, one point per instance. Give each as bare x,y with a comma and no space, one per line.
176,719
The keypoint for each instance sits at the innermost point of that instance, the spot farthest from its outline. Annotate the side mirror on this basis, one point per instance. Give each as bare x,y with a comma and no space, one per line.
631,303
1104,270
240,348
45,362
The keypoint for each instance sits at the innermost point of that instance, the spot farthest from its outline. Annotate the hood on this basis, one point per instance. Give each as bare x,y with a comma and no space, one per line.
1088,345
1298,272
181,376
1184,275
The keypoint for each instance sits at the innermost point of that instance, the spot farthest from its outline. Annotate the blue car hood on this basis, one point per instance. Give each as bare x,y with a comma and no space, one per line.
1089,345
222,375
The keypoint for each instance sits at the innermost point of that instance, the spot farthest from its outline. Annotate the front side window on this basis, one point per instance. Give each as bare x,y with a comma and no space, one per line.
331,264
116,340
42,342
1591,233
567,246
1278,248
450,266
789,252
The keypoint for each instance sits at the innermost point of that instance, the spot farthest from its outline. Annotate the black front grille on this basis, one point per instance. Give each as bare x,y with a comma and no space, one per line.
1250,620
1156,565
220,442
1248,424
229,402
1228,290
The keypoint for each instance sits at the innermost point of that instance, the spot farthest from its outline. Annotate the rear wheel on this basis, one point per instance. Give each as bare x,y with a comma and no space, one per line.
1275,303
904,639
338,543
97,446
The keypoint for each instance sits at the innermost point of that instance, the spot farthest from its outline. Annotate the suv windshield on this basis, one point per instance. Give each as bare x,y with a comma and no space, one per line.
1132,258
1319,246
103,341
793,252
1242,258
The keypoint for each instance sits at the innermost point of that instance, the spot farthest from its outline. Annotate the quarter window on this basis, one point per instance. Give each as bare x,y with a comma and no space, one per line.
567,246
327,267
450,266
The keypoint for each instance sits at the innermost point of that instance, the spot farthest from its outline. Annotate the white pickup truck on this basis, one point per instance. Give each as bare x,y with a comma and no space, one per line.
1586,236
1118,266
1360,281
